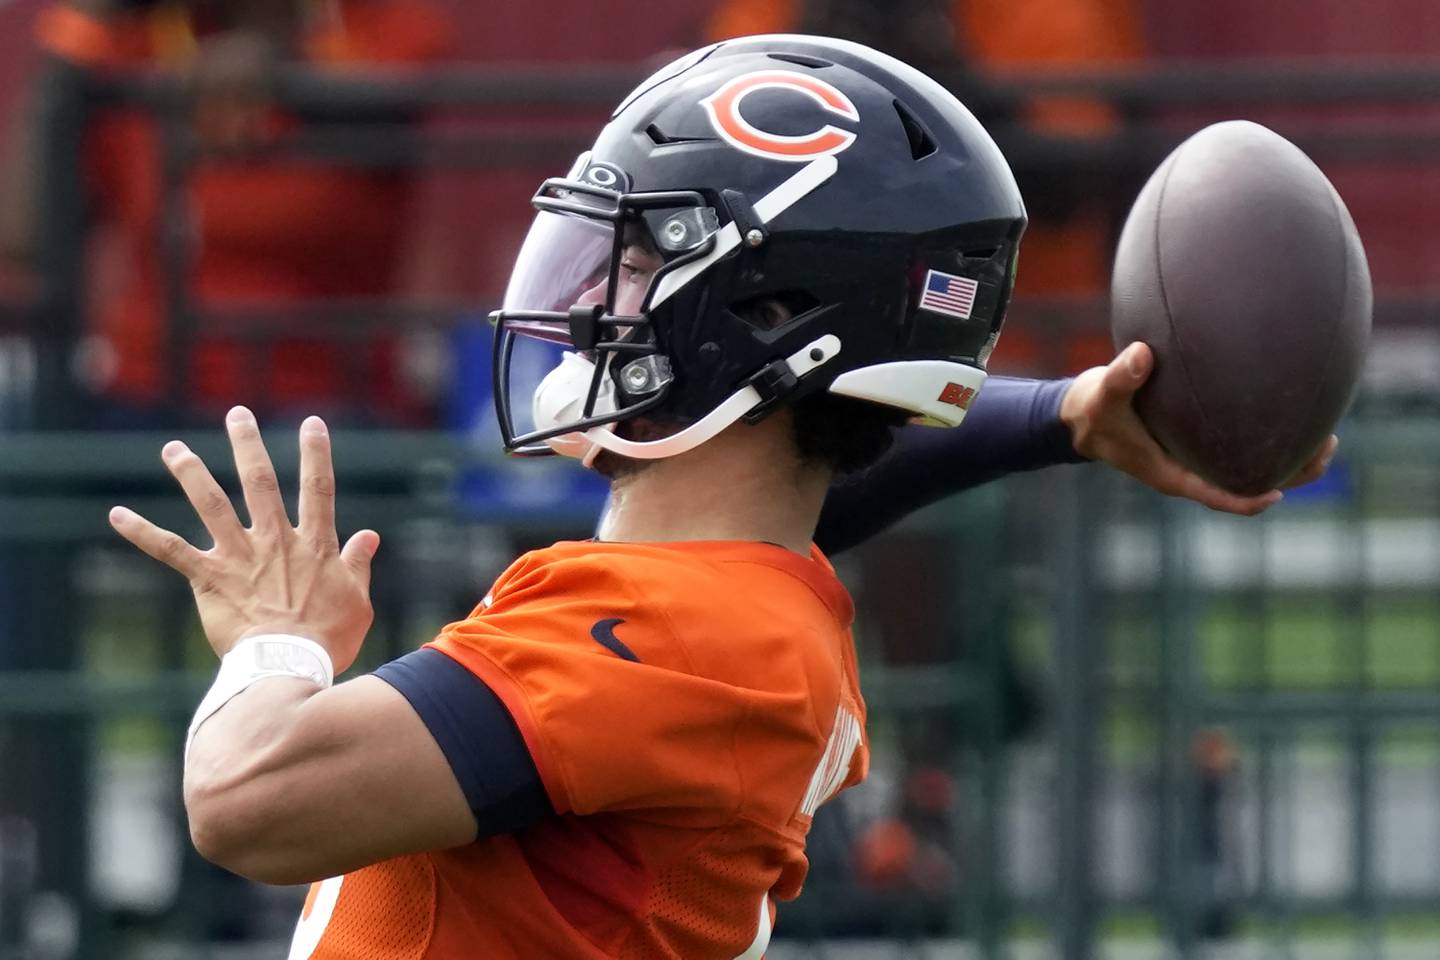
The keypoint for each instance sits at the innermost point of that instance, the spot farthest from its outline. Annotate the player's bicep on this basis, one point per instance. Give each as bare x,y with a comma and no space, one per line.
378,784
368,770
287,786
481,743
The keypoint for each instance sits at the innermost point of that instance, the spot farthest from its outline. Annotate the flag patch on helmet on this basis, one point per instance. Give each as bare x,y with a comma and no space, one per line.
948,294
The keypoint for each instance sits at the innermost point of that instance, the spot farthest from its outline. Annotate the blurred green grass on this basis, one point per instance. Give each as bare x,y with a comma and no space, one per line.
1283,643
1322,644
1289,643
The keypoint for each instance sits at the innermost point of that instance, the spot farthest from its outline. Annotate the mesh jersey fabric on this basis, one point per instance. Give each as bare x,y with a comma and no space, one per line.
683,776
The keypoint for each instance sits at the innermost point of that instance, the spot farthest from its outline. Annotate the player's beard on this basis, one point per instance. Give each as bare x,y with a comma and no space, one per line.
617,467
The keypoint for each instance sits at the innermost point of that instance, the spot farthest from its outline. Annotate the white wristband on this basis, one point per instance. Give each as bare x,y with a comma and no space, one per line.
259,658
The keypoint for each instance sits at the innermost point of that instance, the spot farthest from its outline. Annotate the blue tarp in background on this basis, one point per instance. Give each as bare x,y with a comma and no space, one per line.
518,488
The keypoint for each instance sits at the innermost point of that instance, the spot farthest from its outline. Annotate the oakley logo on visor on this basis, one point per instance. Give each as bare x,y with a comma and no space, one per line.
607,175
723,108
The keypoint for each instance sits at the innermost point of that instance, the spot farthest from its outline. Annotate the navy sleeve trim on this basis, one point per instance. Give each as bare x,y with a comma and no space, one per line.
1014,425
478,737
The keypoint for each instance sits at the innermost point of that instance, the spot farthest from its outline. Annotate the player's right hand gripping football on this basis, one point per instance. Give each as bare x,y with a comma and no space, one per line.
270,577
1099,410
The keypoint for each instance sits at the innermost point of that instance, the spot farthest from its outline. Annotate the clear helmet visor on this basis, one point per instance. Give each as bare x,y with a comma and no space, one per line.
564,262
571,260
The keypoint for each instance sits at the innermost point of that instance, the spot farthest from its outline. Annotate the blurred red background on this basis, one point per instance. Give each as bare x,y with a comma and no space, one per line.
469,224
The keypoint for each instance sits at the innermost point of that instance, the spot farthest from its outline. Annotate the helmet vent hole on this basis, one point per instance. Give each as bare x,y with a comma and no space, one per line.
921,143
814,63
660,138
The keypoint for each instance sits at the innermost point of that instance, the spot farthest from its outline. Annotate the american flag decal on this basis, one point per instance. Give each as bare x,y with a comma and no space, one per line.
948,294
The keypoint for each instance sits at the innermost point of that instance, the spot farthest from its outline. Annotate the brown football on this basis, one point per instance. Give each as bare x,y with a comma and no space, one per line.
1241,268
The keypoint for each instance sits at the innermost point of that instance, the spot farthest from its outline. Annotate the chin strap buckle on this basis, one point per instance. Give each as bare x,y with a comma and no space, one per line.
773,383
778,379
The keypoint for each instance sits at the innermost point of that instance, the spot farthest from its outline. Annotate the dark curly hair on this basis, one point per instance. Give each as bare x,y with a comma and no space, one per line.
842,433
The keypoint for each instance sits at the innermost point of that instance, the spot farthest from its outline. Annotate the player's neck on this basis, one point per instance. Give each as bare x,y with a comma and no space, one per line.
746,484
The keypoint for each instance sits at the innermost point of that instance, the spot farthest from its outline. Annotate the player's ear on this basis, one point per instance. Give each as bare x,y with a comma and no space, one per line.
775,313
765,312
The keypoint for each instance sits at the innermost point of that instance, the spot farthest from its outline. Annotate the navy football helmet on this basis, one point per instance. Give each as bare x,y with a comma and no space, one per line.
817,173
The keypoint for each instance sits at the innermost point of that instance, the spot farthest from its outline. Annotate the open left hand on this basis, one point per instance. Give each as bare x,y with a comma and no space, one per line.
270,577
1099,410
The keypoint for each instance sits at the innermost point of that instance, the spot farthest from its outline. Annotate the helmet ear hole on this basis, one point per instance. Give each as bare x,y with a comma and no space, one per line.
771,311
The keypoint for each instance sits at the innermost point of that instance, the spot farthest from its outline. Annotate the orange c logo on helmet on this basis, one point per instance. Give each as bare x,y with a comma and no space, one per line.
723,107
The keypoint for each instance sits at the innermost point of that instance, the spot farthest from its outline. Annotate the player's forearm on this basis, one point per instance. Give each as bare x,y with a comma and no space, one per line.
235,777
289,783
1013,426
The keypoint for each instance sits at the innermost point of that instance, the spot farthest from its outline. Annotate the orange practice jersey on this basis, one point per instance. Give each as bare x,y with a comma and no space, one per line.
687,706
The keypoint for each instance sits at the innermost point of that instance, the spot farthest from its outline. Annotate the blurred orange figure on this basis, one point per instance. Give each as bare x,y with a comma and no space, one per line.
265,233
885,853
